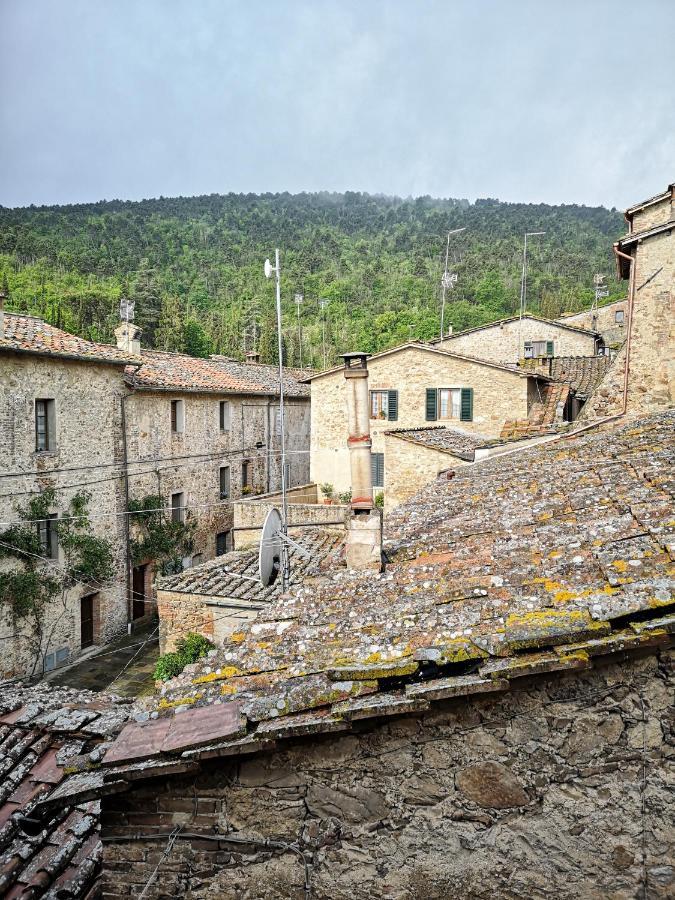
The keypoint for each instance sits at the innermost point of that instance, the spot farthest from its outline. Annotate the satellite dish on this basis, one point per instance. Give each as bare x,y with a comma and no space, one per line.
269,268
269,559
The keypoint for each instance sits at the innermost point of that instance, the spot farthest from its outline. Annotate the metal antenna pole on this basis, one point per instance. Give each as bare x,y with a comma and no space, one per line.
284,515
323,303
447,281
298,301
523,288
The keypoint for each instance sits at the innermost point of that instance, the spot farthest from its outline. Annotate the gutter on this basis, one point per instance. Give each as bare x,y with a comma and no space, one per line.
127,525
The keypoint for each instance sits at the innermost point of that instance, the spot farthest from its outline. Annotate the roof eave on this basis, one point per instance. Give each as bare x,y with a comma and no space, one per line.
101,360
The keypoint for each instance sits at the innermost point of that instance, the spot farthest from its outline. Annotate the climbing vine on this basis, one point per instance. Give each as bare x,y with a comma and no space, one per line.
157,537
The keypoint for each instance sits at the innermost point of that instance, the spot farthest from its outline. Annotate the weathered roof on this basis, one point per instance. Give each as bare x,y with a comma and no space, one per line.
427,347
582,373
496,324
530,563
44,734
218,577
657,198
217,375
28,334
453,441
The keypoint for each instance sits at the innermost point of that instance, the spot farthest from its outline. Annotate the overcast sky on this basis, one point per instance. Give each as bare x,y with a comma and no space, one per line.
525,101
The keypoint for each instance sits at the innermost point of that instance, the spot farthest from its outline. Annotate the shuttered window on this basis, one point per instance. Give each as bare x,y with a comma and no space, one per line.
384,405
466,405
549,348
432,405
377,467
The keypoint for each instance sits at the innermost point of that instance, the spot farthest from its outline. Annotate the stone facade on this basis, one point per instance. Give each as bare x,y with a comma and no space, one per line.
216,619
498,395
610,322
87,456
410,466
505,341
558,788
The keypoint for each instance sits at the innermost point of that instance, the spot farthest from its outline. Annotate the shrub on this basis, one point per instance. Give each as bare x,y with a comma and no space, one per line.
188,650
379,500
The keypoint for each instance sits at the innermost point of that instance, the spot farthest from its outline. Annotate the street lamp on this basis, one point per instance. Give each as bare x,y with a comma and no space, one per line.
523,286
447,280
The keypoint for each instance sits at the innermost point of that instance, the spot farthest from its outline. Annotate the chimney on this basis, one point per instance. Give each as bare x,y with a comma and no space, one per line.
448,333
3,297
364,537
128,338
252,356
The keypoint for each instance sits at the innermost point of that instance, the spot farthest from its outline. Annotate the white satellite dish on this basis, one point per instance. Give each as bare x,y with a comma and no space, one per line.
269,268
270,557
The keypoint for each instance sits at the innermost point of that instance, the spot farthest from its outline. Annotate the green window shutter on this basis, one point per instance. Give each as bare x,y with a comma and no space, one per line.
377,469
392,406
466,405
432,404
549,348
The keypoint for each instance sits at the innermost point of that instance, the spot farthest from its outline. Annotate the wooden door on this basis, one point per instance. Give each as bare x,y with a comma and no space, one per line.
138,588
87,621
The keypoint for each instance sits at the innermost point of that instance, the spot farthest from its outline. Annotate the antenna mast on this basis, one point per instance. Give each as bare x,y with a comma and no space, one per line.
448,280
601,290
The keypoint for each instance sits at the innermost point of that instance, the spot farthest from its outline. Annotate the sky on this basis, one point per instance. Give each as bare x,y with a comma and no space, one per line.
521,100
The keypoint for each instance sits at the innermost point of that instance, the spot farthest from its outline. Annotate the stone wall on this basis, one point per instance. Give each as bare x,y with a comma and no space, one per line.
87,457
613,332
651,382
189,462
215,618
504,341
410,466
303,509
499,395
559,788
654,214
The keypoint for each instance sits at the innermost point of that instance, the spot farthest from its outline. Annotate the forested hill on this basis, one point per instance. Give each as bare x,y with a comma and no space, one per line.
194,265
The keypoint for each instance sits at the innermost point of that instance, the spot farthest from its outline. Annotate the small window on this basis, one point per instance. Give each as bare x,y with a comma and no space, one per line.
178,507
246,474
45,434
619,316
177,416
379,404
48,536
377,466
224,482
225,415
449,400
223,542
449,403
533,349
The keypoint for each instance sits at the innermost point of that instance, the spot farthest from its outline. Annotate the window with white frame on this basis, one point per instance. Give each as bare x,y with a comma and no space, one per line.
178,507
45,425
224,482
177,416
449,403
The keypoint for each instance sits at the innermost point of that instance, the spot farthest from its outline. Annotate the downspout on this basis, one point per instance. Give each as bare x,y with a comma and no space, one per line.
631,298
127,525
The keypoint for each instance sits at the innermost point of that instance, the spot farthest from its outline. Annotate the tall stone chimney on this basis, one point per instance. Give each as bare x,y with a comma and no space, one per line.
3,297
364,537
252,356
128,338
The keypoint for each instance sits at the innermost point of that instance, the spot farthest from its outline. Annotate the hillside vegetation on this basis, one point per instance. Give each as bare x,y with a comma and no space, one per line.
194,266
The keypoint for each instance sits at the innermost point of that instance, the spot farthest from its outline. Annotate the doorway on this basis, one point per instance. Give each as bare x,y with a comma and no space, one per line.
138,592
87,621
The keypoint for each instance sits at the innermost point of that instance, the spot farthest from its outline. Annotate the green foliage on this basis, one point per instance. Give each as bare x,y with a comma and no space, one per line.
379,500
345,497
327,490
193,265
188,650
157,537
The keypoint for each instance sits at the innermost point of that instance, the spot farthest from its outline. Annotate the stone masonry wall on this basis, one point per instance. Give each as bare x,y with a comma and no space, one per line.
559,788
303,508
498,395
183,613
87,457
651,383
504,342
409,467
613,332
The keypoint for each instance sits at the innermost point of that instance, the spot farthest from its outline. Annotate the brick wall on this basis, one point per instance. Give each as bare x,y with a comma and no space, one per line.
504,342
553,790
499,395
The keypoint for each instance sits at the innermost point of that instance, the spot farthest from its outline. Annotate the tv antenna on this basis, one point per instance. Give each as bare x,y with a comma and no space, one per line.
298,302
323,303
601,290
523,287
127,308
449,279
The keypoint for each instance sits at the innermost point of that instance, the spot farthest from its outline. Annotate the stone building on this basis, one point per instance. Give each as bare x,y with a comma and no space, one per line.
413,385
609,321
490,717
642,376
514,339
60,428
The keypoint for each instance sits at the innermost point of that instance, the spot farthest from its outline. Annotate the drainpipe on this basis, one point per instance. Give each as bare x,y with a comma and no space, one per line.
631,299
127,525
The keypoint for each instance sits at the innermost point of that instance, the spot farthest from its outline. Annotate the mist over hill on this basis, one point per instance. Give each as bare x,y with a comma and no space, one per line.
194,266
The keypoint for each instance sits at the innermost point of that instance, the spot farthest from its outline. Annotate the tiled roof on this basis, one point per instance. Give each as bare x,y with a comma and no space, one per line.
582,373
44,735
552,322
453,441
217,375
27,334
218,578
530,563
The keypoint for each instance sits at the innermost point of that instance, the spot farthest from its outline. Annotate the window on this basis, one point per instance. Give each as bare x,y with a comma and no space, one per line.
533,349
45,434
48,537
246,474
449,403
224,482
225,415
223,542
177,416
377,468
619,316
384,405
178,507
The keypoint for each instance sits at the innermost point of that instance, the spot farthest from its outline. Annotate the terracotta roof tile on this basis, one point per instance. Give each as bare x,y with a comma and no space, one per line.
448,440
27,334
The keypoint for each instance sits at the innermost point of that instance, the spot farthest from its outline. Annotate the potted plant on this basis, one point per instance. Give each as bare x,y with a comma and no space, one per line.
328,492
345,498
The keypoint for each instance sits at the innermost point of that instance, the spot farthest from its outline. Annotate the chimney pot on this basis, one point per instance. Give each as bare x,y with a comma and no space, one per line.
252,356
128,338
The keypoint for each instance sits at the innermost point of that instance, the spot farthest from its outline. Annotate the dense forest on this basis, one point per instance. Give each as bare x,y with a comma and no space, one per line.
194,266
